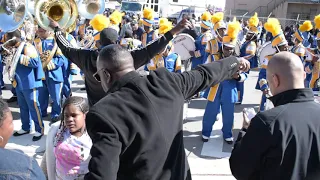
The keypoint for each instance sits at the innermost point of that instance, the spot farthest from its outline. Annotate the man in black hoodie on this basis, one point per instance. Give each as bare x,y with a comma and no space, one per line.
86,59
283,142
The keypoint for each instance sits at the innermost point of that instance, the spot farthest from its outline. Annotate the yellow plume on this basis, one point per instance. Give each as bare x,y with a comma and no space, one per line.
234,28
306,26
115,18
254,20
273,26
99,22
317,21
165,27
217,17
148,13
163,21
206,16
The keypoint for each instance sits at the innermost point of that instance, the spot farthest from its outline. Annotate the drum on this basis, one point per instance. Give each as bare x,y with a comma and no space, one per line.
182,44
265,50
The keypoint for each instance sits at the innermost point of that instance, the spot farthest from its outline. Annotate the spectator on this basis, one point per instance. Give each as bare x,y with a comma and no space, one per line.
13,164
281,143
137,31
125,25
137,127
69,137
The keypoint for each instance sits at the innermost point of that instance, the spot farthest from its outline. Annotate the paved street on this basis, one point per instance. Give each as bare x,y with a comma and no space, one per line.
207,160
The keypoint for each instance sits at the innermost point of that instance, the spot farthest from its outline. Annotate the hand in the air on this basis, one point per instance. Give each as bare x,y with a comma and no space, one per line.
53,24
244,64
183,24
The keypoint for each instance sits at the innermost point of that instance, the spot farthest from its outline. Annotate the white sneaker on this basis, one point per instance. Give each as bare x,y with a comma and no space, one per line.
21,131
37,134
229,140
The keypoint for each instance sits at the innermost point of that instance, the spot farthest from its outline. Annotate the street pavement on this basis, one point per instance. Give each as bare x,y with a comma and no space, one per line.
207,160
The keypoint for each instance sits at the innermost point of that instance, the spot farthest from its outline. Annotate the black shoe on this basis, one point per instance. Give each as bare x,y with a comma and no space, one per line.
37,137
3,87
238,103
83,89
205,139
18,133
12,99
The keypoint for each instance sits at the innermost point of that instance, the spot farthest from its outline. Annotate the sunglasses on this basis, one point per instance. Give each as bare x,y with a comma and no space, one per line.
97,76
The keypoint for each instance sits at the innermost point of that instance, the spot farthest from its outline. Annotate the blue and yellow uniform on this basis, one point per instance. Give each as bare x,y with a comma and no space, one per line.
214,45
248,50
223,95
262,84
27,81
273,26
312,70
148,36
69,69
300,51
54,77
200,54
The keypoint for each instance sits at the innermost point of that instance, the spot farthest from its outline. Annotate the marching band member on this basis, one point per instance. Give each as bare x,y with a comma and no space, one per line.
98,23
248,50
280,43
298,39
312,66
27,80
54,75
148,20
219,29
166,58
2,40
225,94
115,20
199,56
149,35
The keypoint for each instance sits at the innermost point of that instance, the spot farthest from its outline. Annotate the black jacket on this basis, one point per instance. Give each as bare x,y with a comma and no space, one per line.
282,143
136,128
86,60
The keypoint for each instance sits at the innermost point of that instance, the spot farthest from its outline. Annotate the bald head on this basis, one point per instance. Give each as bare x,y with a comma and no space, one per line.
114,61
285,71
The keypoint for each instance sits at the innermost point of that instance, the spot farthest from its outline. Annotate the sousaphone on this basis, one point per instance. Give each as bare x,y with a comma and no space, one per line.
64,12
14,15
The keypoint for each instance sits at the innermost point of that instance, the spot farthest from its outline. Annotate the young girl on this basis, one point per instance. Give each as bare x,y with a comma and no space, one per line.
68,143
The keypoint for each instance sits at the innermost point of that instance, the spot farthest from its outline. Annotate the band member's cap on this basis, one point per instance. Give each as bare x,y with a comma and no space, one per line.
273,26
148,17
217,21
205,20
253,24
306,26
233,30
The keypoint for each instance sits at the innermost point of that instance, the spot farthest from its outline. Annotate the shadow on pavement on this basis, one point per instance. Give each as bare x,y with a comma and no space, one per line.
194,144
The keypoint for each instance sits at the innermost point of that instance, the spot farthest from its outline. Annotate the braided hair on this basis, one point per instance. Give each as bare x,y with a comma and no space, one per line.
77,101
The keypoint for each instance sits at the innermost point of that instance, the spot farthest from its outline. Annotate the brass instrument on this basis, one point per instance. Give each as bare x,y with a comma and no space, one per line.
65,12
89,8
14,15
